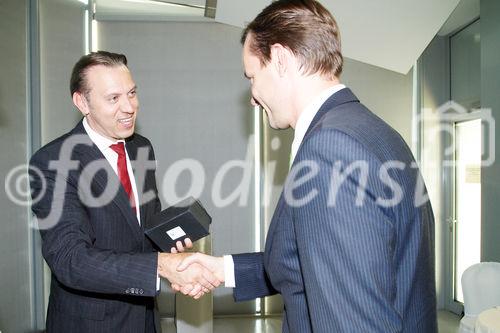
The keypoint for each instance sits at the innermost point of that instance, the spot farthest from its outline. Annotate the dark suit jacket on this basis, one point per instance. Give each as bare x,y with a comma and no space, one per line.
103,267
360,265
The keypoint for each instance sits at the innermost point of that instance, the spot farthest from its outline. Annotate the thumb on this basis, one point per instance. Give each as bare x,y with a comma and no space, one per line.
184,264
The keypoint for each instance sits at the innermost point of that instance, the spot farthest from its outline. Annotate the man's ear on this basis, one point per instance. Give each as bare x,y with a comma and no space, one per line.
280,57
81,103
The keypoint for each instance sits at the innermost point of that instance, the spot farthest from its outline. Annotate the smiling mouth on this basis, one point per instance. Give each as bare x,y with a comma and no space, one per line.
127,121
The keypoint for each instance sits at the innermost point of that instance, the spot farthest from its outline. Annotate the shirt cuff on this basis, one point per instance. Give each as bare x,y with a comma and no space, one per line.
229,280
158,283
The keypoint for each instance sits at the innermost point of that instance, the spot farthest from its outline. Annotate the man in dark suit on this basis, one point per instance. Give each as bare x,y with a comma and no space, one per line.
94,191
351,243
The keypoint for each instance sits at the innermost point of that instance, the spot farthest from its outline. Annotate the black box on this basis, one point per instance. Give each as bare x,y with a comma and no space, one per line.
186,219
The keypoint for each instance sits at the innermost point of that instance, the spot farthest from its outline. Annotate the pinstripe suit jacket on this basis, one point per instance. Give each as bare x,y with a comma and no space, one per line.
103,267
346,260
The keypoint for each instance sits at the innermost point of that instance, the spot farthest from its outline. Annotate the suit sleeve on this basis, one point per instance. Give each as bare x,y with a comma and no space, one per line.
68,241
251,278
345,248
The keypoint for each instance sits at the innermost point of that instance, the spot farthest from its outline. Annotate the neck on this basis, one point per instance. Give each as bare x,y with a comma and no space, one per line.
306,89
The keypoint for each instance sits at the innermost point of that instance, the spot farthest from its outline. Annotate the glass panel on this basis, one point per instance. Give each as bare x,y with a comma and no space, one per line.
467,199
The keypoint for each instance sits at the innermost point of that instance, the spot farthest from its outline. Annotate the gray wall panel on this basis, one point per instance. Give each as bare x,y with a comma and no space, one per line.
15,311
194,105
61,44
435,90
386,93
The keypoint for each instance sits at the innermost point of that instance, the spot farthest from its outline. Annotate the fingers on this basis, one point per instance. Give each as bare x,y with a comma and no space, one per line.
180,247
188,262
195,292
204,282
202,276
211,279
199,295
188,243
194,276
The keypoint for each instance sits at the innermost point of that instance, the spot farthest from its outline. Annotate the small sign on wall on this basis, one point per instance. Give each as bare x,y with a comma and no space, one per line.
473,174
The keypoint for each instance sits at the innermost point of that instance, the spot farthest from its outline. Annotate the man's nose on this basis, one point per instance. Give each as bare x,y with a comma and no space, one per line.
127,105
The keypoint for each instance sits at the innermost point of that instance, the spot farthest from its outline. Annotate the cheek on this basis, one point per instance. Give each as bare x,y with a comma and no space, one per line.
135,102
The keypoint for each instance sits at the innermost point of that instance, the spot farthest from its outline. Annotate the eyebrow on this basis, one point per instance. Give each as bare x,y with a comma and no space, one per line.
115,93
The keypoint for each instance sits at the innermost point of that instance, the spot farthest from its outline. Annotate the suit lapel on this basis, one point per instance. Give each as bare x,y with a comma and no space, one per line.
88,153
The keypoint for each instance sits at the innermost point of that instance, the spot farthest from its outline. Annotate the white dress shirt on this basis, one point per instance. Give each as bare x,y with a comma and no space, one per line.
111,156
303,123
307,116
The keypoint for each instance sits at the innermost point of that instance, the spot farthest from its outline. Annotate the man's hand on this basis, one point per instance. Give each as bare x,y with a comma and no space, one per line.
196,281
213,264
180,247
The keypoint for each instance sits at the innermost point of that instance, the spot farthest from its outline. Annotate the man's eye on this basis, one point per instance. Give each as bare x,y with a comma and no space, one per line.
132,93
113,99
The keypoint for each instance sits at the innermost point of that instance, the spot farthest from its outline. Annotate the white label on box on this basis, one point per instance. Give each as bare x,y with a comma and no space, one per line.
176,232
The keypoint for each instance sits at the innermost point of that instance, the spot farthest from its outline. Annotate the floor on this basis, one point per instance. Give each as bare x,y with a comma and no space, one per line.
447,323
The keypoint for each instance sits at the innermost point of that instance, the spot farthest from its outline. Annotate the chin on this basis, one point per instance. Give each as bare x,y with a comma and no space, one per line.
127,133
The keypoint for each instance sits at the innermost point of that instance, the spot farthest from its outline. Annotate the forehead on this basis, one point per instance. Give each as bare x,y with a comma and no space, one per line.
250,60
100,73
104,78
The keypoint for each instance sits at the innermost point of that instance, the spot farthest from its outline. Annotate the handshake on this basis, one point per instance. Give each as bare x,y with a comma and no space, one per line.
193,274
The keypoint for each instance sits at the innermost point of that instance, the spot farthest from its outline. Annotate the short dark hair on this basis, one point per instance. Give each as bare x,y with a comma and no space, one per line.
305,27
78,75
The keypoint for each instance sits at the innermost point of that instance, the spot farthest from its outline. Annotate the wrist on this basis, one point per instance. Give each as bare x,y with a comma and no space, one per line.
164,263
220,272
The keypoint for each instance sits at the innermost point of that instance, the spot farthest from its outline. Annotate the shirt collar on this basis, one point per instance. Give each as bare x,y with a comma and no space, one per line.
100,141
307,116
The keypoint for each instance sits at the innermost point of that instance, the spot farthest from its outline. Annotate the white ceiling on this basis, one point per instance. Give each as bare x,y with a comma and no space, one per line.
391,34
387,33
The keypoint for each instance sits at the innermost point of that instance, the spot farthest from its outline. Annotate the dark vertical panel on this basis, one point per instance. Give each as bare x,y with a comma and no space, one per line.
490,88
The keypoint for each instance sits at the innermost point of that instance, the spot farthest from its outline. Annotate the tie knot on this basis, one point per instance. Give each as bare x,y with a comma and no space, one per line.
119,148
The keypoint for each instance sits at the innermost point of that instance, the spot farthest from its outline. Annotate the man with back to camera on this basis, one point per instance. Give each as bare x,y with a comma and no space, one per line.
94,190
351,244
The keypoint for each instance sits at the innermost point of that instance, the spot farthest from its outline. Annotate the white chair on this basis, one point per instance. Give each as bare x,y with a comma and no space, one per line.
481,289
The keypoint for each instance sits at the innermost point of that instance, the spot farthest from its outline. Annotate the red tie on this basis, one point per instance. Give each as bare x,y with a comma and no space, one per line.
119,148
